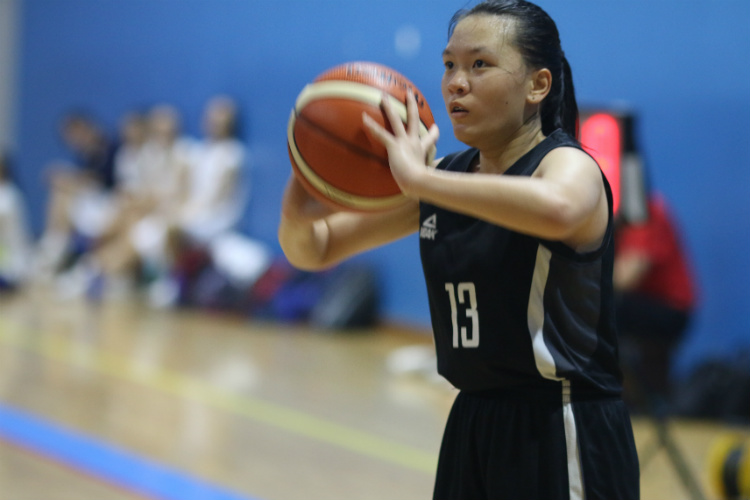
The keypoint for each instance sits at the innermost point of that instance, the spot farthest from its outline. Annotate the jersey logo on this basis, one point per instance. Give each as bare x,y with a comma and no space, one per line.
429,228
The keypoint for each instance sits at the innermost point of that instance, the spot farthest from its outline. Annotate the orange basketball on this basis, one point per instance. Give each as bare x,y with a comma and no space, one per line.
332,153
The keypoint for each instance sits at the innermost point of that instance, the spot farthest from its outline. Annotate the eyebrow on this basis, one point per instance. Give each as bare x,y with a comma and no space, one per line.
473,50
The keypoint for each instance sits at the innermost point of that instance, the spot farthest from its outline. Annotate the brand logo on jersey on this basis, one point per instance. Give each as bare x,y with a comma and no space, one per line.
429,228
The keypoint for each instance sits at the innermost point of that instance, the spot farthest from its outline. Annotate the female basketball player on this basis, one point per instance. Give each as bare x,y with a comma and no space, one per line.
516,245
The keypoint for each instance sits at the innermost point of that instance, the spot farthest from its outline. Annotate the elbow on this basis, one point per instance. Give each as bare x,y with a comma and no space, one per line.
300,253
298,257
561,220
304,262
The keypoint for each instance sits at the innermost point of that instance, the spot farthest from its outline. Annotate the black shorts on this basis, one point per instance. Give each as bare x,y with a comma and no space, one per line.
506,445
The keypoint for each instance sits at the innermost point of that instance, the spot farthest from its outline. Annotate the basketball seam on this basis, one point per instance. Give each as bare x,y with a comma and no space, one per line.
352,147
337,195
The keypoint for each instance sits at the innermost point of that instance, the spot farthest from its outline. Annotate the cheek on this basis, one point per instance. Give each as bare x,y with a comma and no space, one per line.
504,97
498,101
444,89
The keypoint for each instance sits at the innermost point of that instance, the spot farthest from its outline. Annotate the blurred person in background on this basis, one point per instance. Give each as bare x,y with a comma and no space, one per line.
130,158
80,191
15,237
213,191
176,196
214,187
655,293
148,165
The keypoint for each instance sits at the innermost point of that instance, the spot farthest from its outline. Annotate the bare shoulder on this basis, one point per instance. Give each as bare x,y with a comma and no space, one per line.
578,180
569,158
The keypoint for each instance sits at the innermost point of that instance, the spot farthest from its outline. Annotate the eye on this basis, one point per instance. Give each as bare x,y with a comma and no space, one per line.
479,63
448,64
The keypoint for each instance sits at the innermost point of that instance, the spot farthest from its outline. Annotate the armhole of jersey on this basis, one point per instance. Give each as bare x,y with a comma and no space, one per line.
569,253
446,161
457,157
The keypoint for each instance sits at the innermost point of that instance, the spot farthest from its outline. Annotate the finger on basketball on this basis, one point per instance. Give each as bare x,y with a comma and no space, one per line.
412,114
393,117
378,132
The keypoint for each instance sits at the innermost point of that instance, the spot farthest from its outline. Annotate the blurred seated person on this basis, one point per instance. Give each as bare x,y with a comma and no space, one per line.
215,187
655,293
80,191
212,193
148,165
15,239
130,158
166,157
181,196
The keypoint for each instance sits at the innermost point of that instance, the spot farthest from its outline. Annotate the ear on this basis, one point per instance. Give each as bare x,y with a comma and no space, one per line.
540,84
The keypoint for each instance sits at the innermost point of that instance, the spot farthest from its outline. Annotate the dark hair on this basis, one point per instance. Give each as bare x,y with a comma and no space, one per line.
6,169
538,40
77,116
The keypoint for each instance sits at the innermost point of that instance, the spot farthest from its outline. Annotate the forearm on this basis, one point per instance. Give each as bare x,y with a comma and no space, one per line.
523,204
328,240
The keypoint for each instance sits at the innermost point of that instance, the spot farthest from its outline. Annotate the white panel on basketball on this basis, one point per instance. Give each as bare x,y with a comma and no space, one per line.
335,89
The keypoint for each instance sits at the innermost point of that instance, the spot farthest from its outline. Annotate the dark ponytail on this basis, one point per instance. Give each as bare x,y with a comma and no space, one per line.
538,41
560,109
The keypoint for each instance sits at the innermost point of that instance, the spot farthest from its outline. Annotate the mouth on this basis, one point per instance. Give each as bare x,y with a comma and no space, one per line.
457,110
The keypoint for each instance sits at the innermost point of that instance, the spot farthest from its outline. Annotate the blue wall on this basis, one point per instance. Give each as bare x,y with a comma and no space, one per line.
683,66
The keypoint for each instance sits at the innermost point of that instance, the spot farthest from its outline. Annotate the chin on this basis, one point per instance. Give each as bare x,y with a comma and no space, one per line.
462,135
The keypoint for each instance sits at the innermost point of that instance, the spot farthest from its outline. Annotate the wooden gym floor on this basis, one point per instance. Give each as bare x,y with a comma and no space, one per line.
119,402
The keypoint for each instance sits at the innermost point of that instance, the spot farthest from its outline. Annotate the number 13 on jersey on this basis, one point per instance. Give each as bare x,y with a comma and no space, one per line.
465,295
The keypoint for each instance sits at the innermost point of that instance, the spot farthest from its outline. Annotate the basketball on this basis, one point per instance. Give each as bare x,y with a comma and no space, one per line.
332,154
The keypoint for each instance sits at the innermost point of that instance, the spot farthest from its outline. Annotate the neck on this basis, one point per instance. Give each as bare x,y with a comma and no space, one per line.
500,158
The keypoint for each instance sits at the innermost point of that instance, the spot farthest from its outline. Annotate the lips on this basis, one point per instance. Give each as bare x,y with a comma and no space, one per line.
456,109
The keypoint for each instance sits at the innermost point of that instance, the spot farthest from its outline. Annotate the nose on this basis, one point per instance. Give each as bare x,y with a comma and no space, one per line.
457,83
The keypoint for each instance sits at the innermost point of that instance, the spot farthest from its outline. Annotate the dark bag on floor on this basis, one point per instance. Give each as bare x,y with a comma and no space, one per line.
717,389
344,297
350,299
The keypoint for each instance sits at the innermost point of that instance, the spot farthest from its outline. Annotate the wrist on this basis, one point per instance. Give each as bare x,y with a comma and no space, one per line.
416,182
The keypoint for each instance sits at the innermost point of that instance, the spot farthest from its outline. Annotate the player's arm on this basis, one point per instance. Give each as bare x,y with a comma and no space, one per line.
315,238
563,201
630,269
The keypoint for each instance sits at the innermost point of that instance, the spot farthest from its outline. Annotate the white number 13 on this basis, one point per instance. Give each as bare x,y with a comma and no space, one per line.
464,290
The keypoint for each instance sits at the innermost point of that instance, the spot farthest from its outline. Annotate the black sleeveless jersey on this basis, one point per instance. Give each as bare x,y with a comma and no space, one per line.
512,310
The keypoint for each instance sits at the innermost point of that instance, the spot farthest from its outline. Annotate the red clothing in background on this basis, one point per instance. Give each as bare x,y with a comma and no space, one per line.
669,277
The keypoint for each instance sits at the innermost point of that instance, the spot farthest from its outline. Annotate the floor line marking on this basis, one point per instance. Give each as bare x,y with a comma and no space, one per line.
100,459
272,414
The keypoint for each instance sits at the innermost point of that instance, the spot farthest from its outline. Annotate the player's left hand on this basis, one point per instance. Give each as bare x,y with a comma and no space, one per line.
408,153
